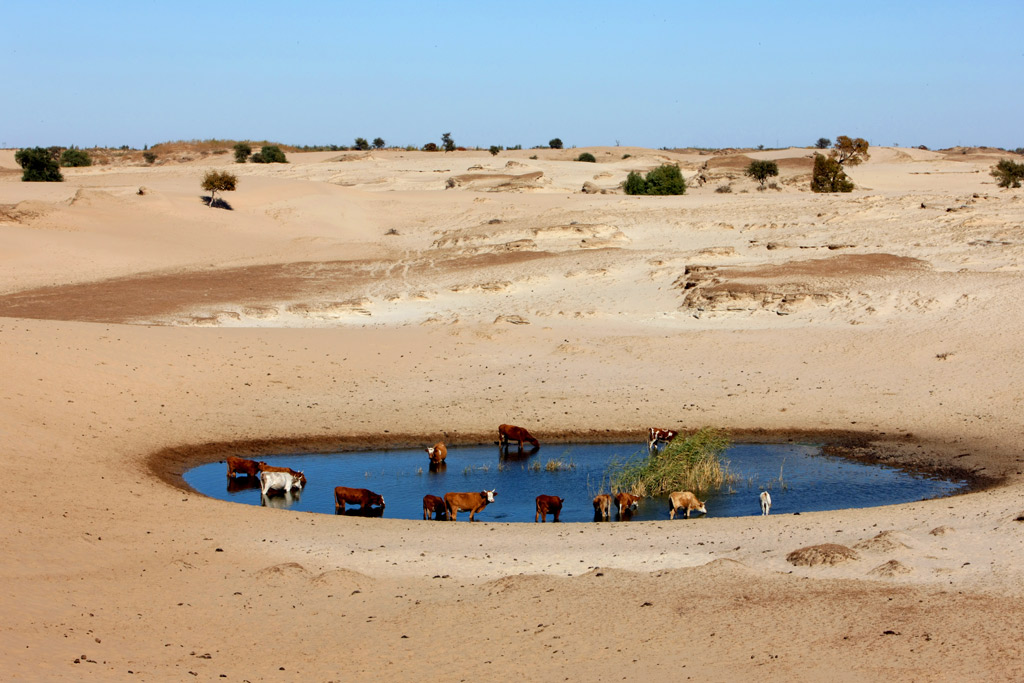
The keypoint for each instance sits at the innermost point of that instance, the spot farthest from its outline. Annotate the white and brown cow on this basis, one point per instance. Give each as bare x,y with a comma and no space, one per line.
473,502
684,500
285,481
657,437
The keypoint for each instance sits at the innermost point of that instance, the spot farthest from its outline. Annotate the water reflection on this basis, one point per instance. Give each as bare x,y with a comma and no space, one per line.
438,467
360,512
236,484
282,500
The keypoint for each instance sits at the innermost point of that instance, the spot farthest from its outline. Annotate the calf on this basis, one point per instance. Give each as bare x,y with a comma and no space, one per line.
434,505
474,502
507,433
279,480
684,499
626,501
437,454
766,502
364,498
656,435
264,467
546,504
236,466
602,506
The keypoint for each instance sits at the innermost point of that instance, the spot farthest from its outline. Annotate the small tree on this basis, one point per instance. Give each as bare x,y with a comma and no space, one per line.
269,154
447,142
75,157
361,144
586,156
39,164
823,143
1008,173
555,143
378,143
850,151
828,176
762,170
242,152
664,180
494,150
218,181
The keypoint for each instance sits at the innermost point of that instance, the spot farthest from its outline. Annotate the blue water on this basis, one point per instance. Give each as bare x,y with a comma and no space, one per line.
799,478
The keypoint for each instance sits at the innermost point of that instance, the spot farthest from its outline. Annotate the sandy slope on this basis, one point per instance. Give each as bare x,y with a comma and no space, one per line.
351,299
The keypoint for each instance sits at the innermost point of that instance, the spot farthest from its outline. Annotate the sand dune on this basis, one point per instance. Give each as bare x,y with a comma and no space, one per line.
360,299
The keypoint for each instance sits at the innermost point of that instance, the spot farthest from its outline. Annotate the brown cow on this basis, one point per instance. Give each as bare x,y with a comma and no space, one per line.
434,505
242,466
656,435
474,502
364,498
602,506
437,454
684,499
507,433
626,501
546,504
264,467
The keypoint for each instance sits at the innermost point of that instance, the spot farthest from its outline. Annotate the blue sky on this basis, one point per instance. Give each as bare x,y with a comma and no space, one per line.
654,74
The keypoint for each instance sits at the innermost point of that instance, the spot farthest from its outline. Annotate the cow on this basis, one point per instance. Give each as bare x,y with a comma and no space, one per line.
364,498
766,502
474,502
248,468
507,433
434,505
546,504
684,499
279,480
437,454
656,435
626,501
264,467
602,506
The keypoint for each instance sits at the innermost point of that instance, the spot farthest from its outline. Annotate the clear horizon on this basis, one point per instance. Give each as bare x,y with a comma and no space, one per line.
650,74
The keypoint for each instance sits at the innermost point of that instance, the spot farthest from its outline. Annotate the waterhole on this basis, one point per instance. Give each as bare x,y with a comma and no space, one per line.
798,476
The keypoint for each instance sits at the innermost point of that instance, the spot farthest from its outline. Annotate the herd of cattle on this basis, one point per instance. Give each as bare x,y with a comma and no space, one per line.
448,507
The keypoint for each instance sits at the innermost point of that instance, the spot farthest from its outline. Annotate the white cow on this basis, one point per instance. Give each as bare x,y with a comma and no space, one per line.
766,502
280,480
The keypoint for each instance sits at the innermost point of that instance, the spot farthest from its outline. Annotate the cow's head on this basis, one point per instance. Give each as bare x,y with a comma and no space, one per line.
702,508
378,499
489,495
298,480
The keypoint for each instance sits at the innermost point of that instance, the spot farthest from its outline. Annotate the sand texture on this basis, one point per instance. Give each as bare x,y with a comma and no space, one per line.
404,298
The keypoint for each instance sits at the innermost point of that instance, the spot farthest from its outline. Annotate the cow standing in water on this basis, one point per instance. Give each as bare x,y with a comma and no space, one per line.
507,433
766,502
657,437
437,453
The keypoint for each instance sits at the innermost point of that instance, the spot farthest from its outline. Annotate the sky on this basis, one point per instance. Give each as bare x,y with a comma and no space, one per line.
641,73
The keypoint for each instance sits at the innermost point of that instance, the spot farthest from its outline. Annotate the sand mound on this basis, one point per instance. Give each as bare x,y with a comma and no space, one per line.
826,553
342,580
942,530
278,574
891,568
885,542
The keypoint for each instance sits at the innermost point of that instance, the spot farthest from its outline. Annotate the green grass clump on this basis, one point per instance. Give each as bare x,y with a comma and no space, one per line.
692,463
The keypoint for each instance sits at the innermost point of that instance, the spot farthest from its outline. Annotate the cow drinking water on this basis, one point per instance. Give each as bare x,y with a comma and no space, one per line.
508,433
680,500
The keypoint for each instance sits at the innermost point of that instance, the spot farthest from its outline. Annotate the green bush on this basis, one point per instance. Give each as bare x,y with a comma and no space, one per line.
586,156
242,152
823,143
692,463
494,150
555,143
1008,173
270,154
149,157
762,170
430,147
75,157
664,180
828,176
39,164
361,144
378,143
447,142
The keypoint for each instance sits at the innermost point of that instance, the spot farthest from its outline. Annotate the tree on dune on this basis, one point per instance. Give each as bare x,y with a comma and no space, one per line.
447,142
761,170
219,181
850,151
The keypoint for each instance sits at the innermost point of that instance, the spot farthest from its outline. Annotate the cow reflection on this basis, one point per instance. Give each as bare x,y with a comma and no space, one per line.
277,498
438,467
236,484
361,512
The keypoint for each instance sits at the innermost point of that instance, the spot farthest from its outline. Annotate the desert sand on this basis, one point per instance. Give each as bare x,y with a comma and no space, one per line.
401,298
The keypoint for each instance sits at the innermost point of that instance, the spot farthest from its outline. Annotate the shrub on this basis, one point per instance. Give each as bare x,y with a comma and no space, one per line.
242,152
75,157
430,147
586,156
828,176
361,144
218,181
762,170
39,164
692,463
149,157
447,142
664,180
1008,173
494,150
269,154
378,143
823,143
555,143
723,189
